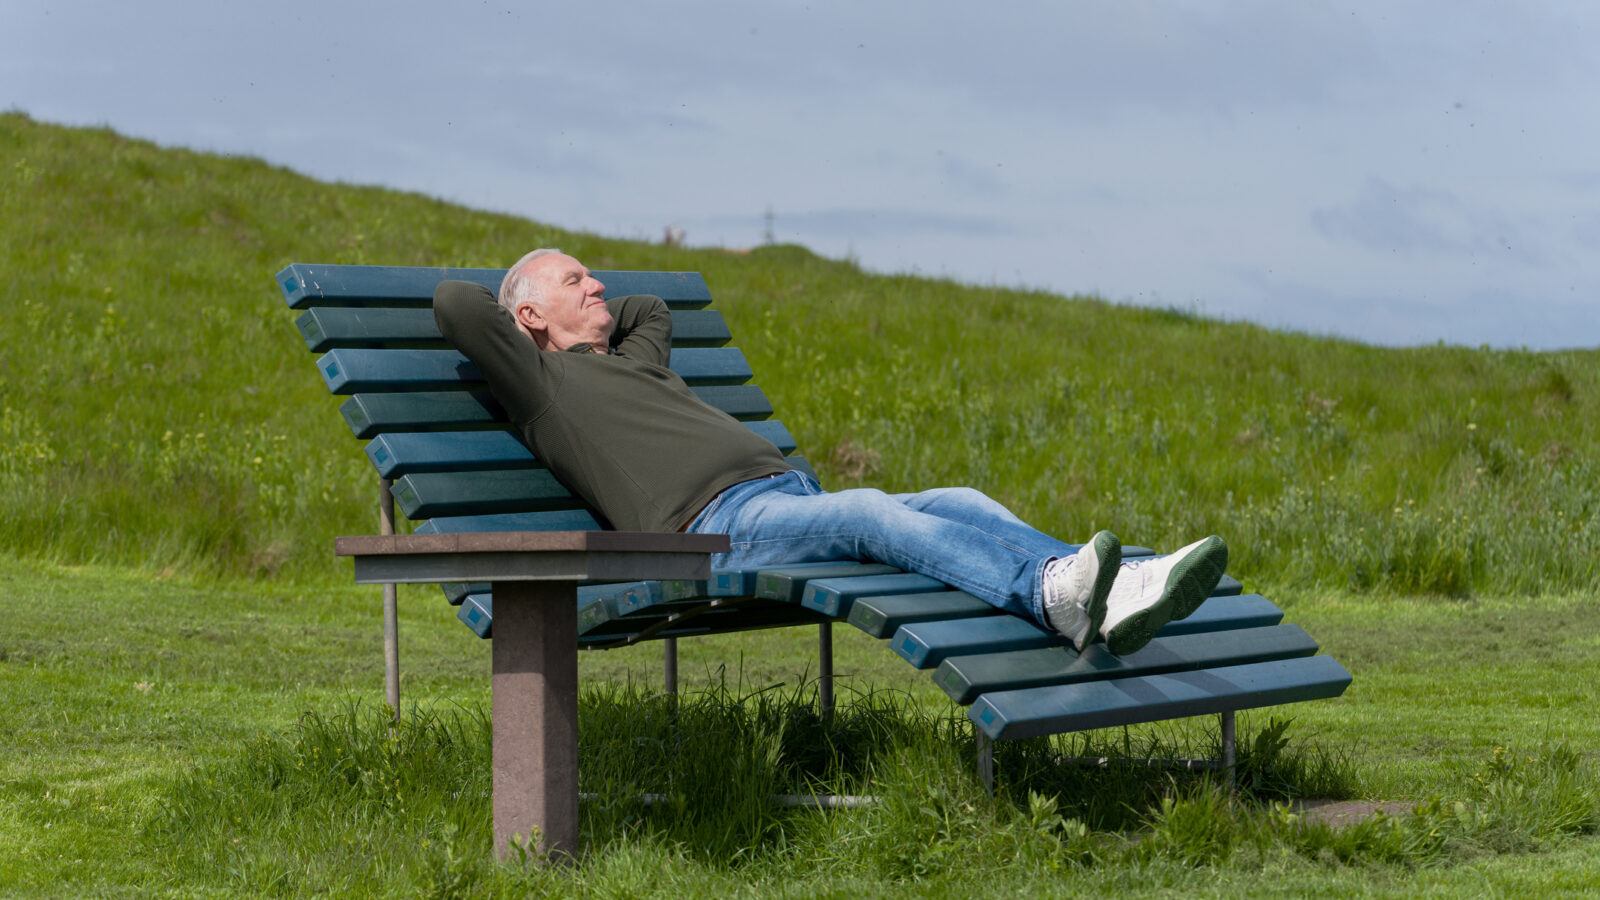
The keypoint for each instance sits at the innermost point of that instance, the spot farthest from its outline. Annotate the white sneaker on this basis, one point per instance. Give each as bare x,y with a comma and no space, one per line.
1149,593
1076,588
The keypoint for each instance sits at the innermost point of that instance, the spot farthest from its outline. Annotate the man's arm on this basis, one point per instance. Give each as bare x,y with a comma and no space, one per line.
643,328
471,320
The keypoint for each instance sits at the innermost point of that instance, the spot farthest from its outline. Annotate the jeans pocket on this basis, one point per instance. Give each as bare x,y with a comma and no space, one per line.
704,518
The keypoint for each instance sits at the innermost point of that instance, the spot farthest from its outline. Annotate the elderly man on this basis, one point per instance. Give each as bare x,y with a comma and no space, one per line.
585,382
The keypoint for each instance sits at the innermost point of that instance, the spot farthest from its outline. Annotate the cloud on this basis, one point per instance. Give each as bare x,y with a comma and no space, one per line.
898,223
970,177
1497,316
1417,220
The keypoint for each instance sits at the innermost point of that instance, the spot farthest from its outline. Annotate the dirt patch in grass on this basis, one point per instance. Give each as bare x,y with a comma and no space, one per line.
1340,813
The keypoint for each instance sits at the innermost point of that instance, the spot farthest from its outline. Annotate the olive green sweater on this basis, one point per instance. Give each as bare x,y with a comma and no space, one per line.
620,430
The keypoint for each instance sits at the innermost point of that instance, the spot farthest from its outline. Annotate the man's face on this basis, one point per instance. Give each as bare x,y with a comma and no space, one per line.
573,310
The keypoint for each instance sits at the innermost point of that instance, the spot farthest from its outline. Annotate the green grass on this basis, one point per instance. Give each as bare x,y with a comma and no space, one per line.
189,680
226,739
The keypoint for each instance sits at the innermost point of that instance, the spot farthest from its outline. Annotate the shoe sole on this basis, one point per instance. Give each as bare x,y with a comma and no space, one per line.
1108,550
1192,581
1189,583
1132,633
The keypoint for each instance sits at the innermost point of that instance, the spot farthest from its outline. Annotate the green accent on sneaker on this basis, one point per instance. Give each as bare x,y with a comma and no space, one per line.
1132,633
1108,550
1191,581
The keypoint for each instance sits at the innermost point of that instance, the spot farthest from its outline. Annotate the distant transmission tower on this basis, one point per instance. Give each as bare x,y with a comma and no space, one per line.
766,235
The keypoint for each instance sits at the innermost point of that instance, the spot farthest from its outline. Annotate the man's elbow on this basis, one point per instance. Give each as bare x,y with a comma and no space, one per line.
455,302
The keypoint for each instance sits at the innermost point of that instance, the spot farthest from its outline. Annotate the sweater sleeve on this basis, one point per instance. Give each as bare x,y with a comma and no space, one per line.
643,329
509,360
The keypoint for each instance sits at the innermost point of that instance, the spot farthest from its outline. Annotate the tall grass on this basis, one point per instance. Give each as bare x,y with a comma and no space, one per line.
158,409
682,790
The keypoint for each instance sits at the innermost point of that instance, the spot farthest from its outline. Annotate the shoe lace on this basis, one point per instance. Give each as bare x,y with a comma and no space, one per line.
1059,583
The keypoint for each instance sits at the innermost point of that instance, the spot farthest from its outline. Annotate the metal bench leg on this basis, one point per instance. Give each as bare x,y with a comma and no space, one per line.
985,760
825,668
1229,756
669,654
391,611
534,697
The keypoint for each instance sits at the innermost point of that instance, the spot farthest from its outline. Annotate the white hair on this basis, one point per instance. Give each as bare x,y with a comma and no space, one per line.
517,289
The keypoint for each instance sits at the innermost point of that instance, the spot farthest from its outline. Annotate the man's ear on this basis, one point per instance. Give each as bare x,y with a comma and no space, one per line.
528,317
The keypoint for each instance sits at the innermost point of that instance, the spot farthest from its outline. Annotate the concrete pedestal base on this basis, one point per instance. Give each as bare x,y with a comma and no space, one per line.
535,693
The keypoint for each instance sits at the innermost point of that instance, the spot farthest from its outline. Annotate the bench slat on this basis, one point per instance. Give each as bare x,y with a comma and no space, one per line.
314,284
370,415
835,596
926,644
882,616
1223,612
1031,712
963,678
355,370
476,608
428,494
396,455
424,495
788,583
332,327
722,583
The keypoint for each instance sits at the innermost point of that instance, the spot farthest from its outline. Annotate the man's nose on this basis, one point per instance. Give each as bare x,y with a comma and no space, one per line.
595,287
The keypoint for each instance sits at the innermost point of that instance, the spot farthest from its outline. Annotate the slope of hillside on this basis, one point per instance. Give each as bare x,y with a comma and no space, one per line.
158,409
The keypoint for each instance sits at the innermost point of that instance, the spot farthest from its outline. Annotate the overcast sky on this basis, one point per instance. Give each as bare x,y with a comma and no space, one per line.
1395,172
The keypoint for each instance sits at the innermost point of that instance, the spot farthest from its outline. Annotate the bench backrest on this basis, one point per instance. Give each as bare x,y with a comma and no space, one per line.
430,423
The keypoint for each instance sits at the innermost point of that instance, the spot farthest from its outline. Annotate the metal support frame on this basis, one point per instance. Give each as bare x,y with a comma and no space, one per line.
1227,765
825,669
669,660
793,801
391,606
1229,754
985,760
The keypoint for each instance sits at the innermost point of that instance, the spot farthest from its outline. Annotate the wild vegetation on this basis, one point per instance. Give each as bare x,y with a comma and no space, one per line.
190,681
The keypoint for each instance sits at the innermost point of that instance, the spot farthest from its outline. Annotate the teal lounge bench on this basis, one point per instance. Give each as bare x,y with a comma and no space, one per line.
443,454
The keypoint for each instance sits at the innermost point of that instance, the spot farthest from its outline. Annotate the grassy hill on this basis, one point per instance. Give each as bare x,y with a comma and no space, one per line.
157,408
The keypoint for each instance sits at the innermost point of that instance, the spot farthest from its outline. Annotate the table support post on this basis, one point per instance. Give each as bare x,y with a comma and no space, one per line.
825,670
535,702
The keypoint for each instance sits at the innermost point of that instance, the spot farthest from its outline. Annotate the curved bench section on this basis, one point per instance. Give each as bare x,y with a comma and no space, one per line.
431,428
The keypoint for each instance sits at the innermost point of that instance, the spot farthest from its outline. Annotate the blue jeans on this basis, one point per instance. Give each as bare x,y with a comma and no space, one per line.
956,535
